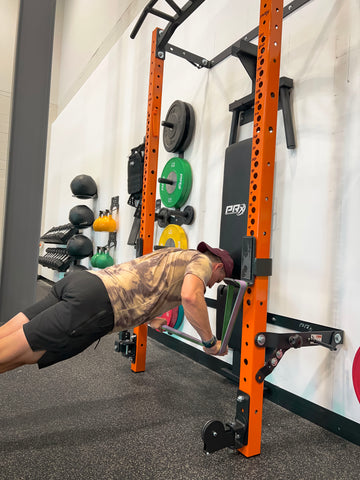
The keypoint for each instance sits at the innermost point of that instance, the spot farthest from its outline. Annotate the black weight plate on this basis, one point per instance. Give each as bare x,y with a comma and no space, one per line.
189,128
173,137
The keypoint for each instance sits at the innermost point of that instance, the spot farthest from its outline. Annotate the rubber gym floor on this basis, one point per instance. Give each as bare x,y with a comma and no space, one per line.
91,417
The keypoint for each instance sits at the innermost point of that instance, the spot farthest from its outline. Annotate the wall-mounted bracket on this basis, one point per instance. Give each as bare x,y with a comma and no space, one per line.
252,266
114,204
112,242
282,342
243,112
234,435
181,15
246,52
196,60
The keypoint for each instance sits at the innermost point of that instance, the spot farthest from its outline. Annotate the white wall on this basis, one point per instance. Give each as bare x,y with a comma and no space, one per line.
90,29
316,192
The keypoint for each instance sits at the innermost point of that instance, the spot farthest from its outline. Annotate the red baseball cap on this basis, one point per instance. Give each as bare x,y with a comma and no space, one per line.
226,259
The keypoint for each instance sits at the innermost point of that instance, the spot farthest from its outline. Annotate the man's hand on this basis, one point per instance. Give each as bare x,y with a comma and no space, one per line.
157,323
215,349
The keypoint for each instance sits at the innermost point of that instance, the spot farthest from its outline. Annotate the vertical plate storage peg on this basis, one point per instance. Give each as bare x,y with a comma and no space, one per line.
149,180
260,209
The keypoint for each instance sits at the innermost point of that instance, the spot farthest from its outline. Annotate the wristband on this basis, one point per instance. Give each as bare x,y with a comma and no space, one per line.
211,343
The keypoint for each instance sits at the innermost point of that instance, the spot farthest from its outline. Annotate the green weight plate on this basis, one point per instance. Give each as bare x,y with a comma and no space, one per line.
178,171
187,184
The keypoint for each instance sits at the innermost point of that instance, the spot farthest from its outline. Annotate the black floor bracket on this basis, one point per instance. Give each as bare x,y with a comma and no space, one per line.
234,435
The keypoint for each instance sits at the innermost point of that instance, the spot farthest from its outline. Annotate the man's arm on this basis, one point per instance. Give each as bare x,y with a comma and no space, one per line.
195,309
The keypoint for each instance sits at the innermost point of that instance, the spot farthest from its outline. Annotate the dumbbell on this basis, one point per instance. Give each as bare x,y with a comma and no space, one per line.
168,216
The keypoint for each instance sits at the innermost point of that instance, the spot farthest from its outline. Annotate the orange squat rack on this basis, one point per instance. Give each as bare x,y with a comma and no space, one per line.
149,181
260,203
260,210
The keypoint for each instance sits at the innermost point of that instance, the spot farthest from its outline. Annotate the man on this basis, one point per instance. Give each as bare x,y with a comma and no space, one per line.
84,306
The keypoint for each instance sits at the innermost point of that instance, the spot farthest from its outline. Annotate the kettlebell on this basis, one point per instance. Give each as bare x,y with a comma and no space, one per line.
109,222
104,259
98,224
95,257
110,260
101,261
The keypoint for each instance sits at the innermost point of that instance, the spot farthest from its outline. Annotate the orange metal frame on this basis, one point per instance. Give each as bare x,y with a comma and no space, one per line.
149,181
260,209
260,202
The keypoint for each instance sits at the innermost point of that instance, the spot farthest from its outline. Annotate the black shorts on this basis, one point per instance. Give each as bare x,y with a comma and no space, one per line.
76,313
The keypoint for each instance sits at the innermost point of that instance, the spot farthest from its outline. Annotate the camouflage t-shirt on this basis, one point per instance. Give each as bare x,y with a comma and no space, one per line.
150,285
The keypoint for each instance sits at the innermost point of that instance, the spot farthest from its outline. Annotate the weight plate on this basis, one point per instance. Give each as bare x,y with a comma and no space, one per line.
175,126
171,316
174,236
167,316
174,316
356,374
188,184
189,128
178,171
180,318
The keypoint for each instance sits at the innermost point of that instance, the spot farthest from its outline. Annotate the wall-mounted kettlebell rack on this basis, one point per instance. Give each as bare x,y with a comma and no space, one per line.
264,101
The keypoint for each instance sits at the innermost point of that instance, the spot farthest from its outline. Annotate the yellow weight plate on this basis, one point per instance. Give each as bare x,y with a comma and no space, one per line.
174,236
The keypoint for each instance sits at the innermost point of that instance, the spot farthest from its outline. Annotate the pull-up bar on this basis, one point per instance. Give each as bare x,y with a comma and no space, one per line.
174,21
180,16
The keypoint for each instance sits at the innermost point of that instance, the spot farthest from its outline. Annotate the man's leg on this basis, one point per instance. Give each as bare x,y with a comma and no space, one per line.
12,325
15,350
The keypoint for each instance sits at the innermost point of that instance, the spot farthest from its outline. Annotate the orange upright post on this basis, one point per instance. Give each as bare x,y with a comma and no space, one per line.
260,210
149,180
